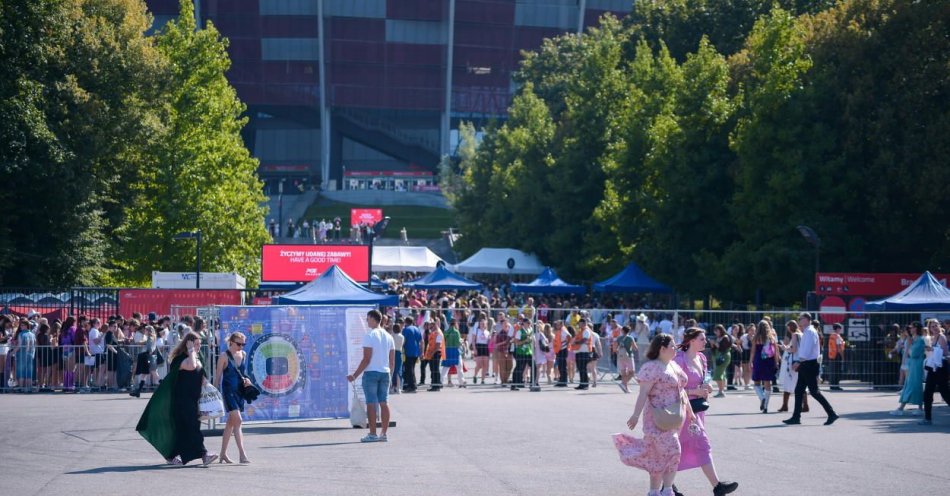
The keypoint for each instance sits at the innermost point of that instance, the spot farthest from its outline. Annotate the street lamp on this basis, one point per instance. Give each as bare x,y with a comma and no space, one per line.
196,235
812,237
375,231
280,206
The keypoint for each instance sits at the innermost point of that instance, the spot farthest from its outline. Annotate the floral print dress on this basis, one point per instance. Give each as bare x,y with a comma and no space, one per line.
659,451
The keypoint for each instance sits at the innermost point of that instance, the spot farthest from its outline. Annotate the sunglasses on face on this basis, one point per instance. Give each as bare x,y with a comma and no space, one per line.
238,344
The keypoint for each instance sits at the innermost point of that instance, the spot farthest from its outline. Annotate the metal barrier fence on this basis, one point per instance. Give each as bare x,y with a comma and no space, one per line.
868,359
74,368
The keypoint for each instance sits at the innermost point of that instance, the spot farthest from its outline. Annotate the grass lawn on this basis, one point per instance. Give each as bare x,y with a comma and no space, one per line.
420,222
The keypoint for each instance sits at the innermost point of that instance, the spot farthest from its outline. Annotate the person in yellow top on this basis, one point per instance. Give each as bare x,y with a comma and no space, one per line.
434,353
836,347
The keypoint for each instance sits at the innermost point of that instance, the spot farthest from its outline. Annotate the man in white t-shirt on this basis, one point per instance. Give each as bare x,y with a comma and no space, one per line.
379,357
583,346
97,348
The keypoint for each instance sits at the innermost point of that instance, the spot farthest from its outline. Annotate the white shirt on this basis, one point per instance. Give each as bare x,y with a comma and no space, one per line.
399,340
596,342
381,343
666,326
808,349
585,334
96,348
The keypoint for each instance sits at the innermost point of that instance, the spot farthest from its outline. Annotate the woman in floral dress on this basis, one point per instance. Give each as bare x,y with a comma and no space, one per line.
662,384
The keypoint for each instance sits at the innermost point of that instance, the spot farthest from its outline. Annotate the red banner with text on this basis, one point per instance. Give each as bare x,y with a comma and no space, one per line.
304,263
368,216
856,283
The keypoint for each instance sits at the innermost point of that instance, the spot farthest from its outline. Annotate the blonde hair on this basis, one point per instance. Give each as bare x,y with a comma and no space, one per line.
234,335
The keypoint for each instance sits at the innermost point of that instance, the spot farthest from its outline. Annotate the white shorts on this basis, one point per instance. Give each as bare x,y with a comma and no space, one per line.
540,358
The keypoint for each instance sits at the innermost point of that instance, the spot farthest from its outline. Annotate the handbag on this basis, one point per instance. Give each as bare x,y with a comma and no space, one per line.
210,404
699,405
669,418
249,393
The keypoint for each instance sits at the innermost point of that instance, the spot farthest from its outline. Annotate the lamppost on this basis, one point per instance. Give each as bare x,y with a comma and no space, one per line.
280,205
812,237
196,235
375,231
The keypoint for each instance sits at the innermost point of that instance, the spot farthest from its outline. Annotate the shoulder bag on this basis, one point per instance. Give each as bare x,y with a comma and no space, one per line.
249,393
670,417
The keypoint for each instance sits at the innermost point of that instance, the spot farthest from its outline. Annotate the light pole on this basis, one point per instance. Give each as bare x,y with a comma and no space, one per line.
280,205
196,235
812,237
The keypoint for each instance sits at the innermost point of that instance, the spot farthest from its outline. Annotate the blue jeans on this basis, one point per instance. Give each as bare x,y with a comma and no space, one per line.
397,370
376,387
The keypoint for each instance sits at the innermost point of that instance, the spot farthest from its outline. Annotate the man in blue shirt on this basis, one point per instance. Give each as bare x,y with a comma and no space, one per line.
412,348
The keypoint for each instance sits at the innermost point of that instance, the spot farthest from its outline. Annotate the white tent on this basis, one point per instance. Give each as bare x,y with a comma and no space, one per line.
404,259
495,261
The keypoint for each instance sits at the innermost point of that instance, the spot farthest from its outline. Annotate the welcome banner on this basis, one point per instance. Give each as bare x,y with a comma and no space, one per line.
298,356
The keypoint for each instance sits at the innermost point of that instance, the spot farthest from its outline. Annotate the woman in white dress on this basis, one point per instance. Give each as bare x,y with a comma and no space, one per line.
787,377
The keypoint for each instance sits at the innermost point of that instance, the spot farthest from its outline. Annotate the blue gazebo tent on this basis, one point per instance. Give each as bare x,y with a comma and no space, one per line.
442,278
926,293
631,280
548,283
334,287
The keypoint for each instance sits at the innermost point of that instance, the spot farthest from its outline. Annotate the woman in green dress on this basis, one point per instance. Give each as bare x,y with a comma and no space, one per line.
913,391
722,358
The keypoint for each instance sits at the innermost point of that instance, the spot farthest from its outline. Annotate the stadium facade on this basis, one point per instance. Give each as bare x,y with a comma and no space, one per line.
377,73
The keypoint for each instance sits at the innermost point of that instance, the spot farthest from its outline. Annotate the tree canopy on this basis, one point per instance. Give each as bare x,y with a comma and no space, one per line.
694,136
113,141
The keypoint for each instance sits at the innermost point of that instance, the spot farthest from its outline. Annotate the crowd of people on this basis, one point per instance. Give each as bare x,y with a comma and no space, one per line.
83,354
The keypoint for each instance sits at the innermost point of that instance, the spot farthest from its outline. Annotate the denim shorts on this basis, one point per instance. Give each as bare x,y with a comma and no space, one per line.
376,387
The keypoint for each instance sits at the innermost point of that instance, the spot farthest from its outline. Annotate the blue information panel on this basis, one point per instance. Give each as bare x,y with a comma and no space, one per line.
297,357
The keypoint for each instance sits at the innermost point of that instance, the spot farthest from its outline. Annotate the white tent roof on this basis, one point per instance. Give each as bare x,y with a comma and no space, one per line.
495,261
404,259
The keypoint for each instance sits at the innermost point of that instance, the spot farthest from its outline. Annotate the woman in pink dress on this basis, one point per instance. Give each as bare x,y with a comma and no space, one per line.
694,444
662,384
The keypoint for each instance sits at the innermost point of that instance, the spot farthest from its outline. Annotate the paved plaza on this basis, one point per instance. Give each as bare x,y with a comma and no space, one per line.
480,440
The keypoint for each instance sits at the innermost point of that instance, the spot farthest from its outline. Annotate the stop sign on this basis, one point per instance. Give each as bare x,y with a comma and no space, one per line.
833,310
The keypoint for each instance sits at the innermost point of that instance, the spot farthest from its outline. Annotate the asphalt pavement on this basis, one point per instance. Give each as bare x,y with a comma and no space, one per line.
479,440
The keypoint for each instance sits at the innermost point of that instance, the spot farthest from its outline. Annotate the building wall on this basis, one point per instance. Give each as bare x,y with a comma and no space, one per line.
385,58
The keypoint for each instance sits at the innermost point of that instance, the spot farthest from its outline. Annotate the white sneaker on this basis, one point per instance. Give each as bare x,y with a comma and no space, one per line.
382,438
898,413
918,412
369,438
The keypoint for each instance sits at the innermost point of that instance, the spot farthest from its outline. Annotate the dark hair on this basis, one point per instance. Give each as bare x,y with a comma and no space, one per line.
397,329
690,334
624,329
407,321
661,340
719,328
375,315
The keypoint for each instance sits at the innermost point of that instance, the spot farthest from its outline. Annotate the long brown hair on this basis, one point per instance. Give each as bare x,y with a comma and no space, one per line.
660,341
182,347
690,334
763,332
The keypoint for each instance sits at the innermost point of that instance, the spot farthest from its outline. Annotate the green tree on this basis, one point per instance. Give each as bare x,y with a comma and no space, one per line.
75,122
204,177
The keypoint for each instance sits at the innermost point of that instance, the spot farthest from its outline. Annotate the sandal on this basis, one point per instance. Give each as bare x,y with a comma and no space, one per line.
224,459
208,459
245,460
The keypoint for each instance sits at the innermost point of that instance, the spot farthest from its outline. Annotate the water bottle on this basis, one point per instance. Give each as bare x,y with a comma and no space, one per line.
708,378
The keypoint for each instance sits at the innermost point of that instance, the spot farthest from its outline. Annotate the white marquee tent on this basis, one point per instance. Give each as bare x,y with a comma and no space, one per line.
495,261
404,259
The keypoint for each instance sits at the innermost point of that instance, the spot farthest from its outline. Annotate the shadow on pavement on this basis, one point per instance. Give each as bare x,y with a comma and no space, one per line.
119,469
886,423
315,445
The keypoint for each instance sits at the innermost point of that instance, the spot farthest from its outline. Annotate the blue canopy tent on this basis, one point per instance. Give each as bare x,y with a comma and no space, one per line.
442,278
376,282
334,287
926,293
548,283
631,280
